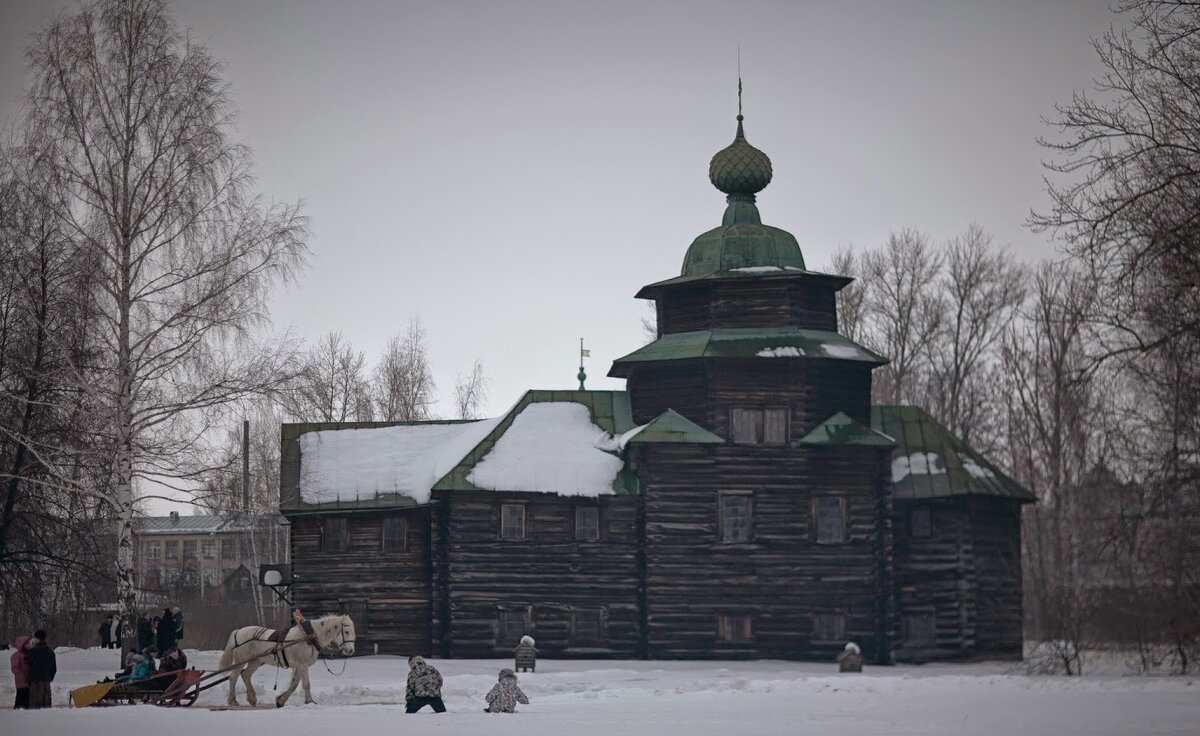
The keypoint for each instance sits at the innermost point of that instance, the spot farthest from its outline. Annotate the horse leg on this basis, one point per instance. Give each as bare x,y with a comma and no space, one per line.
233,678
251,695
308,698
291,688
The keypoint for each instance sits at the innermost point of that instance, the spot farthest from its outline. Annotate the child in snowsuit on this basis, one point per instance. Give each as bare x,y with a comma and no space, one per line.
424,687
505,695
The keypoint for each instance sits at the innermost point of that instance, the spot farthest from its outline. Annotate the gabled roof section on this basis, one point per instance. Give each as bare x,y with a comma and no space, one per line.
842,429
669,427
756,342
366,465
551,442
178,524
930,462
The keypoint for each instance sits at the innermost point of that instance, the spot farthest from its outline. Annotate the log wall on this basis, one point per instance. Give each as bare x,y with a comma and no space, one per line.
548,573
748,302
783,578
387,593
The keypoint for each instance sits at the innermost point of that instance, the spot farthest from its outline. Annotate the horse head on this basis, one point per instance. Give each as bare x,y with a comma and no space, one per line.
341,635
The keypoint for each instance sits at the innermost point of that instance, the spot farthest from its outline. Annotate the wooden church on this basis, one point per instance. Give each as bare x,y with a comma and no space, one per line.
742,498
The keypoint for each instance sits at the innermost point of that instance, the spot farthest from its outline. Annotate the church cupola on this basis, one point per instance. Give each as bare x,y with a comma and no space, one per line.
742,242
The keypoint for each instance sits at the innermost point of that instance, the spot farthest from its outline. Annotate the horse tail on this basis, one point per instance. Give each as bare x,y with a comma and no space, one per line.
227,655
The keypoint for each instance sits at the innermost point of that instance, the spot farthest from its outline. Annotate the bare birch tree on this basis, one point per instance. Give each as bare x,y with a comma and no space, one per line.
138,126
404,388
470,392
851,305
902,311
981,288
331,385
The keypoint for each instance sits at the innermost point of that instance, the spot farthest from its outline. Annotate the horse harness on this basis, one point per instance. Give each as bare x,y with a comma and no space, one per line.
281,644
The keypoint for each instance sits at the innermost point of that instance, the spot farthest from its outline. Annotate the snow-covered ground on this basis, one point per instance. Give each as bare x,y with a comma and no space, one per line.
631,698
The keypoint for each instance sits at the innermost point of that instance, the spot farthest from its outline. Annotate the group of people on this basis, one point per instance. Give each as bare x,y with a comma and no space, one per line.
141,665
162,631
425,688
33,666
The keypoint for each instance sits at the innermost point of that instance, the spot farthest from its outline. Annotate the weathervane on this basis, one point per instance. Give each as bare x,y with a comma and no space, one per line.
582,375
739,54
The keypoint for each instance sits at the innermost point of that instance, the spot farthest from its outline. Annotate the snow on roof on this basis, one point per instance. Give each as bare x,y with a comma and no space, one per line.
351,464
918,463
550,448
841,351
974,469
783,352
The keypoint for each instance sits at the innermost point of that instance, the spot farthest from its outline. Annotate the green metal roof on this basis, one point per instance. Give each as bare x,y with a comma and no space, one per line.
609,410
672,427
930,462
764,342
650,291
842,429
742,245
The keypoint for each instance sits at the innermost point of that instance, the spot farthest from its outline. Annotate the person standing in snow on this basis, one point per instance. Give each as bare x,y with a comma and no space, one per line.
145,632
114,633
178,614
106,633
165,638
424,687
18,663
505,695
43,666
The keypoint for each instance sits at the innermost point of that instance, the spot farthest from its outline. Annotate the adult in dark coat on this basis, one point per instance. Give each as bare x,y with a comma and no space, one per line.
145,634
166,631
106,633
42,667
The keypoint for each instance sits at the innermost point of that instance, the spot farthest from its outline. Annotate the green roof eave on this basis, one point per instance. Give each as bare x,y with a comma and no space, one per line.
930,462
842,429
757,342
672,427
650,291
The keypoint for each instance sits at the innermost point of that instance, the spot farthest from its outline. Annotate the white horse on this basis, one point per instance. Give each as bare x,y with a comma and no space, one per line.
250,648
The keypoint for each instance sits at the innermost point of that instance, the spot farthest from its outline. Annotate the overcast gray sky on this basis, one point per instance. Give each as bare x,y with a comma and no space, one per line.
515,171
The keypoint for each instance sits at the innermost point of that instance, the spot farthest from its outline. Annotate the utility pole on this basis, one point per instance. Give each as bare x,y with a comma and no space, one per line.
246,466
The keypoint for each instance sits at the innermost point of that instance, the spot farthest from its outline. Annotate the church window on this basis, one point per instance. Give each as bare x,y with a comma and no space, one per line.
587,523
920,522
735,627
829,627
394,535
335,535
759,426
736,514
920,629
587,628
829,513
512,521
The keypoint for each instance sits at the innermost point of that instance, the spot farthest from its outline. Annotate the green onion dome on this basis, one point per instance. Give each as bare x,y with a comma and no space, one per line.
740,168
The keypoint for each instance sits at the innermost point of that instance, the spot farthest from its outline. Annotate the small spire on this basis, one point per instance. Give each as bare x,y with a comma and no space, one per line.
582,375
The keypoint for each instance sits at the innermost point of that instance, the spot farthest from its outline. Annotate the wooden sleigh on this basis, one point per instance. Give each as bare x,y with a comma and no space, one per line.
167,689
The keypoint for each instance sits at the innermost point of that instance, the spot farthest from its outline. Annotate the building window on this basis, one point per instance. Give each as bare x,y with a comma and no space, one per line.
189,548
335,535
587,628
153,550
172,550
228,549
514,623
512,521
920,522
587,523
920,629
735,627
208,549
211,578
829,627
829,517
759,426
395,535
172,574
227,574
736,513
